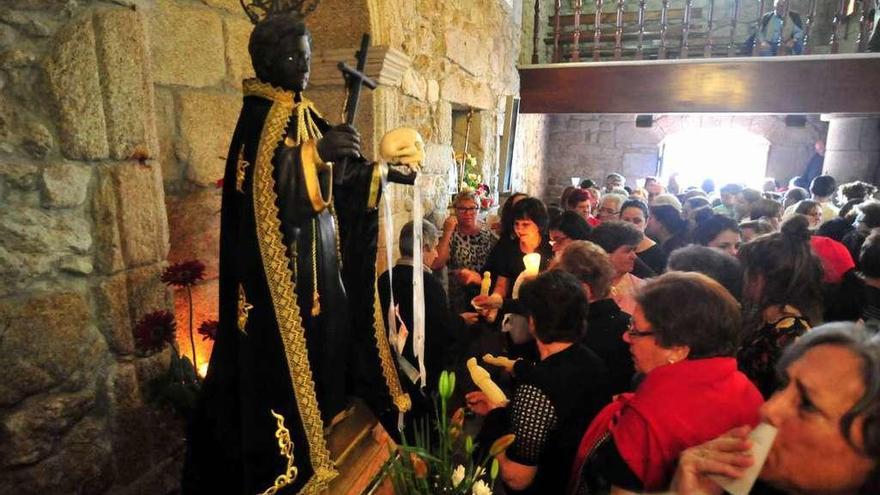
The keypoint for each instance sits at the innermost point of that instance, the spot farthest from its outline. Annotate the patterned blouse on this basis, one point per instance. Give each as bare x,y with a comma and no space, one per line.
761,351
471,252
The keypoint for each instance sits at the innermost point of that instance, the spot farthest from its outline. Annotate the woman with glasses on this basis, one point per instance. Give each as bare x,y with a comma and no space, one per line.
609,207
464,244
692,391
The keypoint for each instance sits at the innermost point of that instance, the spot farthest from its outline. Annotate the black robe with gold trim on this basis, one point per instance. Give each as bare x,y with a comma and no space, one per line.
293,339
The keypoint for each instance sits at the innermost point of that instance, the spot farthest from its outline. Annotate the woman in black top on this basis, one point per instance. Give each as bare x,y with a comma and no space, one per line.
553,404
635,212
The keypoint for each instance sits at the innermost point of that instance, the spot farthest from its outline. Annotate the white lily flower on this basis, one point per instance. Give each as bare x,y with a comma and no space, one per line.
481,488
457,475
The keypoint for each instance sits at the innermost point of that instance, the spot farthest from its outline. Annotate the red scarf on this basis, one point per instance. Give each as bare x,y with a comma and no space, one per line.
677,406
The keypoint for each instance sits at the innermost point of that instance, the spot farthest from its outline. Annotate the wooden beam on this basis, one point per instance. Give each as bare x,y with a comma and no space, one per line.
793,84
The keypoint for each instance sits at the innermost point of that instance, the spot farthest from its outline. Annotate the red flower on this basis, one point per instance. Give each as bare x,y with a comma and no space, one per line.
184,274
154,331
208,329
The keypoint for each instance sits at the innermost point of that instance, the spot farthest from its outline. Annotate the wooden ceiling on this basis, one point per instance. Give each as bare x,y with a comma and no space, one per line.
848,83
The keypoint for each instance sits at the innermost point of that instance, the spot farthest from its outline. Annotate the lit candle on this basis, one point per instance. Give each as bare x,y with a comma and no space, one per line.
533,263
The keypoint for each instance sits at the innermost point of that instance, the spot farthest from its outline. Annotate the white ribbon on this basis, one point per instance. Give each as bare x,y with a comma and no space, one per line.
418,283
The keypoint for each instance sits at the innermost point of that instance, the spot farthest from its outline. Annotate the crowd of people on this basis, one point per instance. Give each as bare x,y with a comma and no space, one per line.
661,327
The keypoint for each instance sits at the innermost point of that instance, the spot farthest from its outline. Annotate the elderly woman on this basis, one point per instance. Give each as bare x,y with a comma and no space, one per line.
609,207
782,293
557,398
465,243
606,322
619,240
580,202
691,392
826,413
635,212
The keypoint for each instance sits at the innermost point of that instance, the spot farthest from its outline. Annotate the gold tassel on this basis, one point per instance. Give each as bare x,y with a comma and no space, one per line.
316,303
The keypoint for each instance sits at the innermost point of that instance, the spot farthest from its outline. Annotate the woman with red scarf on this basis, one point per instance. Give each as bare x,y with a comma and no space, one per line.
683,339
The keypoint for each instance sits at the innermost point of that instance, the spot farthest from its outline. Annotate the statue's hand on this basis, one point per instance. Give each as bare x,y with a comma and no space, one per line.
340,142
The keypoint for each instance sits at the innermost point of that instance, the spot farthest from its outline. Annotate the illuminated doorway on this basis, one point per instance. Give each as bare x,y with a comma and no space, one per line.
723,155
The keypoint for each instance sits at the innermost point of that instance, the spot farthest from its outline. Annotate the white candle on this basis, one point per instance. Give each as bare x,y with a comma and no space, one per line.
533,263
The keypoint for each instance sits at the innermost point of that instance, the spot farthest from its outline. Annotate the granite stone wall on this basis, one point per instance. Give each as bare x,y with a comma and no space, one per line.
83,239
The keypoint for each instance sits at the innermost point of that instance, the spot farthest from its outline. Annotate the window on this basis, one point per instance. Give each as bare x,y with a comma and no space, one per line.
723,155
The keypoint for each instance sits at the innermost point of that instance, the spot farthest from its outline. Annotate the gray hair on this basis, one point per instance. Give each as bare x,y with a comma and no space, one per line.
865,344
613,196
465,196
430,236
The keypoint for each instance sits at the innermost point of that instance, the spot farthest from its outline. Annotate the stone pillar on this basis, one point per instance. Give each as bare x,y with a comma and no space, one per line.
852,147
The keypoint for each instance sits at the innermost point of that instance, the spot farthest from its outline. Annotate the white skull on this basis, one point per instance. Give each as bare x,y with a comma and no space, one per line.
403,146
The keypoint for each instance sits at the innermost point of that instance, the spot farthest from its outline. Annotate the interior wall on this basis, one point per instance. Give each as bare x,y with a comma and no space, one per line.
592,146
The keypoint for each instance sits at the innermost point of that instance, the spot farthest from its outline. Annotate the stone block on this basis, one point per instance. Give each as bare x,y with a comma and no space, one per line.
31,432
340,24
166,128
233,6
20,175
194,222
442,123
122,383
463,90
414,85
141,218
870,138
126,84
82,460
36,140
177,33
236,34
114,317
76,265
466,50
146,292
72,79
65,185
438,159
108,244
206,123
638,165
14,58
153,366
433,91
48,340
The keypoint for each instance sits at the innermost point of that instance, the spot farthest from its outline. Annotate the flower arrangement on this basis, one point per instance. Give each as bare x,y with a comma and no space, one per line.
472,180
180,384
446,466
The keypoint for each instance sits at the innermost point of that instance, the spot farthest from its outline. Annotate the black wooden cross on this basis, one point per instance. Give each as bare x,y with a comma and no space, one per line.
355,79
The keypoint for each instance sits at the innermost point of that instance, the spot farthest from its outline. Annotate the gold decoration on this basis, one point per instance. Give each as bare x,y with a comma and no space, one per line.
400,398
316,300
279,277
240,171
375,186
285,445
311,163
244,308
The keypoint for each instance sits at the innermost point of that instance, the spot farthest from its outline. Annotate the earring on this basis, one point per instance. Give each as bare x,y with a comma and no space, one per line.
670,361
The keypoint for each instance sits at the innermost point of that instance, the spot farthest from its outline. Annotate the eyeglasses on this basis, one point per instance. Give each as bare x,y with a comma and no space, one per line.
609,211
633,333
465,209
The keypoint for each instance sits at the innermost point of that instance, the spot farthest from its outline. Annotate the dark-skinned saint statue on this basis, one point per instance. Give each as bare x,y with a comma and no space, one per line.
298,330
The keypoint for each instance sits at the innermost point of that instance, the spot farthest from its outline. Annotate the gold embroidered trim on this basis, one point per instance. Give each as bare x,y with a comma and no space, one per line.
280,281
285,446
400,398
244,308
240,171
375,185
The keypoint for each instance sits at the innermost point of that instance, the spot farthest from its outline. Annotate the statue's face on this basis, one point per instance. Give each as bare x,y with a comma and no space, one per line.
293,64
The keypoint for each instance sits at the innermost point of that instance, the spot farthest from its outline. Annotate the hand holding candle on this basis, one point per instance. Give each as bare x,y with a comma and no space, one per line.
532,261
